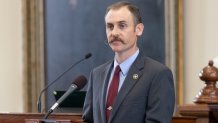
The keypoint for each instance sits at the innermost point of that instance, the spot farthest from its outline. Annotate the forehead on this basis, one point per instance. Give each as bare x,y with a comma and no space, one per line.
118,15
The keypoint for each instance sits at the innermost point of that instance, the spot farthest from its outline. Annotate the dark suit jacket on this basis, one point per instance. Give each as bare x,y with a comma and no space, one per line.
148,99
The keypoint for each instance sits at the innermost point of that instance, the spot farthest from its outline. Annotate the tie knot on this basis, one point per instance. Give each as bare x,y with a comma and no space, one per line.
117,69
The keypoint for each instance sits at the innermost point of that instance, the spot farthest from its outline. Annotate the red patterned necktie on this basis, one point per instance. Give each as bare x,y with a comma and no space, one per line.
112,92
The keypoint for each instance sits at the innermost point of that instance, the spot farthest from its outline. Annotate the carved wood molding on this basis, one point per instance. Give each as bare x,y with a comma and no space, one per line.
33,50
174,43
180,59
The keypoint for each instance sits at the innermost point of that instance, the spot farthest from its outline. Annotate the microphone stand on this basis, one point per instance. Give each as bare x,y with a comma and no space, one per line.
51,83
79,83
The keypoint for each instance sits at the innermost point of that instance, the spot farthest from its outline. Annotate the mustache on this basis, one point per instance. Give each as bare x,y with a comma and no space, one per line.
116,39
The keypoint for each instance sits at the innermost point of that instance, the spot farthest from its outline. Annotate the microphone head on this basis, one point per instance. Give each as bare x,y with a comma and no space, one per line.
88,55
80,82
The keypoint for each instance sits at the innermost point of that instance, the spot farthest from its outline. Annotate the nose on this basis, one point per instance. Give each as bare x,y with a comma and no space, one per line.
115,32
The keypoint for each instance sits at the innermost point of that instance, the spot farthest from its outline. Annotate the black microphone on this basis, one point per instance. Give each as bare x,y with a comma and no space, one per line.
78,84
50,83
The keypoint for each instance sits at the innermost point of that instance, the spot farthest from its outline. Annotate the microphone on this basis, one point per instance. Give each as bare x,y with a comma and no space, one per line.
50,83
78,84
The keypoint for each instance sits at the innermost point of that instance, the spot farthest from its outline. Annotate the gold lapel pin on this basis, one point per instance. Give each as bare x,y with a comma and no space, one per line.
135,76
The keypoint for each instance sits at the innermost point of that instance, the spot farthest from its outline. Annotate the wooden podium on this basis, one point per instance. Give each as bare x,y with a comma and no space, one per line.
35,117
47,121
188,114
204,113
205,108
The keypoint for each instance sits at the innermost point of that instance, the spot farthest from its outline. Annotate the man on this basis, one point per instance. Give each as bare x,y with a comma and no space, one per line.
145,89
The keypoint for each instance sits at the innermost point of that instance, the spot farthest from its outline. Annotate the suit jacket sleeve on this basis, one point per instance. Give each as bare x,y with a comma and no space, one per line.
88,106
161,98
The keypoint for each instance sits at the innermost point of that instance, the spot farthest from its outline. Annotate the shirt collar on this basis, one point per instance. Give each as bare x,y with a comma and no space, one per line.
124,66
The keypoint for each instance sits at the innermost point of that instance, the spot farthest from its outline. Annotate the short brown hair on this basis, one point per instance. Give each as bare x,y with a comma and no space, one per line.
132,8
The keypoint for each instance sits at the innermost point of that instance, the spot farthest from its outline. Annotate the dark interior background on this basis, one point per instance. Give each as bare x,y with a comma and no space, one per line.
74,28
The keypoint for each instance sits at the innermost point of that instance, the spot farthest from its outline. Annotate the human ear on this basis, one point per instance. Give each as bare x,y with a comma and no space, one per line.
139,29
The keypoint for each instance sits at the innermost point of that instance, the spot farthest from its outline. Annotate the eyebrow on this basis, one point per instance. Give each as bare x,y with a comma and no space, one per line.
122,22
109,23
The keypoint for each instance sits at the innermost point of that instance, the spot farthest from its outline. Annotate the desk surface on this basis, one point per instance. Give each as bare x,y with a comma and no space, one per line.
75,117
20,117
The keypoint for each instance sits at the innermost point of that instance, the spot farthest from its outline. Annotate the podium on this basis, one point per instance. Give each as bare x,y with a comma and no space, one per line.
189,114
205,109
204,113
47,121
35,117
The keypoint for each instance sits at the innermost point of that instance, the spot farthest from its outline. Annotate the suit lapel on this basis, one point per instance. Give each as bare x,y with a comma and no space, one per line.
129,82
105,79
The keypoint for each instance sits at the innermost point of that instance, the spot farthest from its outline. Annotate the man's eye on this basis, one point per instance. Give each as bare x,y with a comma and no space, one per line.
122,26
110,27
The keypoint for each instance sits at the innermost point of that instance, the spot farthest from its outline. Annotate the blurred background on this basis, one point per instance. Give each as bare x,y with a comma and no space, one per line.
40,39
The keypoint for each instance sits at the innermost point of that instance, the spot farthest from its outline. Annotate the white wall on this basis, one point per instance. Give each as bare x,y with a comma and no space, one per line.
11,56
200,42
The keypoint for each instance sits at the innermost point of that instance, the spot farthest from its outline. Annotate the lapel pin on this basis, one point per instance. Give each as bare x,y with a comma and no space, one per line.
135,76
